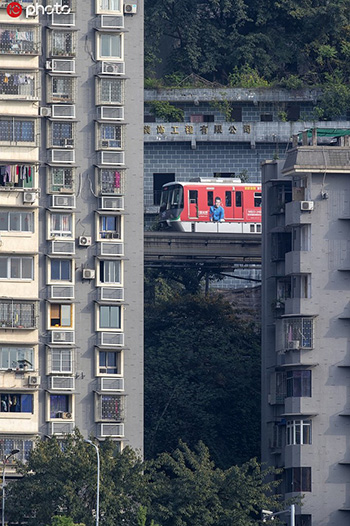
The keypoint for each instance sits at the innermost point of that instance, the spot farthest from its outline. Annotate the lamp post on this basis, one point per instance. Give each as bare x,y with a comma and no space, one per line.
98,481
267,514
4,460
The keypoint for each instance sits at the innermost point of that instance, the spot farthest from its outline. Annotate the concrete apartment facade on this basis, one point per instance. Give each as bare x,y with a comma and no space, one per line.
71,223
305,327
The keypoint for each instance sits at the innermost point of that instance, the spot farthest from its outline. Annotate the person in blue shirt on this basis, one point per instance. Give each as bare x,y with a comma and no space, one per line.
216,212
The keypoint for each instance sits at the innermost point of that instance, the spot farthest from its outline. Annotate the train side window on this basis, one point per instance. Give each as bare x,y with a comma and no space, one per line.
210,198
228,198
238,199
257,199
193,196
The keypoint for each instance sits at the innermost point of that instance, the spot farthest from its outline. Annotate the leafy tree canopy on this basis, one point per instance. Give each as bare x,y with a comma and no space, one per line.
275,39
202,377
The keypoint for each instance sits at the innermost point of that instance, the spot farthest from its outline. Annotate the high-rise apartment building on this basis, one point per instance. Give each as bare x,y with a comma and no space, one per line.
71,221
305,323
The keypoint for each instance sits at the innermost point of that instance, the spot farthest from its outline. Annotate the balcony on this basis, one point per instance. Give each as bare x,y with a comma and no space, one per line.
19,132
295,215
61,89
18,315
111,182
62,43
19,85
8,443
19,40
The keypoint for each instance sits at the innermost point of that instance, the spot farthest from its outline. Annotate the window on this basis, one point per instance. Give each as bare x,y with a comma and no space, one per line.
111,135
111,407
110,227
109,362
16,221
110,271
17,175
298,479
293,112
110,45
61,315
228,198
16,267
60,406
61,270
303,520
16,403
62,43
21,83
61,225
8,444
299,383
62,89
210,200
202,118
16,130
158,181
238,199
17,358
61,361
298,432
236,114
62,133
299,330
112,181
111,91
61,180
266,117
110,317
17,315
109,5
257,199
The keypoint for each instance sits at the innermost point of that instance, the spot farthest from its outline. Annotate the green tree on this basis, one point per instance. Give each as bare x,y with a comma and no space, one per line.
204,494
59,479
202,378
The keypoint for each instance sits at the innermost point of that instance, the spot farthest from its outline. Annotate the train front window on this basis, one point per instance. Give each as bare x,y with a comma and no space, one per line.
257,199
176,200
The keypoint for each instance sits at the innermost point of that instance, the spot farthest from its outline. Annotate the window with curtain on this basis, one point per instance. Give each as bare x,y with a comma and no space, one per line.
61,224
110,317
110,45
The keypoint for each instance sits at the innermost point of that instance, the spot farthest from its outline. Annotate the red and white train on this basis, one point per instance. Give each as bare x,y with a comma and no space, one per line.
193,206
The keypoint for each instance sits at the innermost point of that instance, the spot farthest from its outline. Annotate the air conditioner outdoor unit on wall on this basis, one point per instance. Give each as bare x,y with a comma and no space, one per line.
113,68
84,241
34,380
29,197
130,9
88,273
294,345
45,112
306,205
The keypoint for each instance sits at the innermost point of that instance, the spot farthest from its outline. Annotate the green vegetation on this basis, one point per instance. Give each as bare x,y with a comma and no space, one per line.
166,111
182,488
249,43
202,377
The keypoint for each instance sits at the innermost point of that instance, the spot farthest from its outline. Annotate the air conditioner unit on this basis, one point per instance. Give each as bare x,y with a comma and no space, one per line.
29,197
130,9
104,144
84,241
66,415
62,337
45,112
48,64
294,345
34,380
68,143
88,273
108,235
306,205
63,201
113,68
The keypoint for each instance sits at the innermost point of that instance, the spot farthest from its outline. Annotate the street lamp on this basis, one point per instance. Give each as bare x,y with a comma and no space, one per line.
4,460
98,481
267,514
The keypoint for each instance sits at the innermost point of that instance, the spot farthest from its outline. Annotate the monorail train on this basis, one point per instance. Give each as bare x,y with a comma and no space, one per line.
211,205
